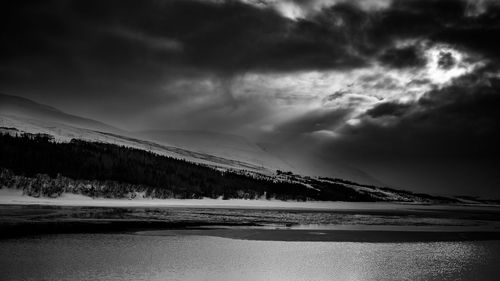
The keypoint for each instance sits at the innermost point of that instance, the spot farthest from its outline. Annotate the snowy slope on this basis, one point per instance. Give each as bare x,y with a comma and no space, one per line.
302,162
224,151
64,133
214,149
18,115
25,108
221,145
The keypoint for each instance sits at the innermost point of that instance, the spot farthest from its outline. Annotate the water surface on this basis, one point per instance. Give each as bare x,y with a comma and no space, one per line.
187,257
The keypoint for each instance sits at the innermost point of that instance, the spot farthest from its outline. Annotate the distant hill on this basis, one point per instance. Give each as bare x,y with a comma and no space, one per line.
25,108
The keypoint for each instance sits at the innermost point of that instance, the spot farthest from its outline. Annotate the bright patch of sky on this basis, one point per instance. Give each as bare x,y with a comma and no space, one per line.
302,9
296,9
357,90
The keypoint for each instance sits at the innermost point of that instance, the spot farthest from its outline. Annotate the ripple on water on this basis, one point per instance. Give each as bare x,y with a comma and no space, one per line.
133,257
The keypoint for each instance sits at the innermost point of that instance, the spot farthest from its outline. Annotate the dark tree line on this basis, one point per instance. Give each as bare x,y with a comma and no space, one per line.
110,170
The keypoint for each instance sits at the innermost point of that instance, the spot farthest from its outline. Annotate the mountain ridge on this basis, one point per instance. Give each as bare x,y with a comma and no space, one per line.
208,148
23,107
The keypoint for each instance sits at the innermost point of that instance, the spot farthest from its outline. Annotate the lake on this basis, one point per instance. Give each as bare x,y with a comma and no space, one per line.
197,257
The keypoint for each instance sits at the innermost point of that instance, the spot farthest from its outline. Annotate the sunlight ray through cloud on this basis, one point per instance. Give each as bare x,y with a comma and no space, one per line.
359,89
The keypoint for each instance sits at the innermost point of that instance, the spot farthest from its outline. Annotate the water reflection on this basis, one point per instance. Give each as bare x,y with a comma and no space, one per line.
133,257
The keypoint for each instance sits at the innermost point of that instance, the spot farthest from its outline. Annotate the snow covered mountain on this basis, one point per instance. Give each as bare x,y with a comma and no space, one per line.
218,150
220,145
214,149
221,151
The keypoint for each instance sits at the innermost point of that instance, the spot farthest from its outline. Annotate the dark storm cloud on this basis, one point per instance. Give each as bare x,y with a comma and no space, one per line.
118,56
232,36
132,49
388,109
402,57
446,21
446,60
456,123
447,142
461,120
130,39
224,37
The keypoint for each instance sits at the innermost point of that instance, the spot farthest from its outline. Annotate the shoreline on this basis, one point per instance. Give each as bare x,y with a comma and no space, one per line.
253,232
244,232
15,197
18,221
262,220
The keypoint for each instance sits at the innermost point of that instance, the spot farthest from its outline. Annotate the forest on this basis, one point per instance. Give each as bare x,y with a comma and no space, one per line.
42,167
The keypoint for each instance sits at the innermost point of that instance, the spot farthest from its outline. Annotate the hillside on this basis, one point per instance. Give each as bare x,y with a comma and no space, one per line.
208,148
44,168
220,145
43,146
118,171
234,153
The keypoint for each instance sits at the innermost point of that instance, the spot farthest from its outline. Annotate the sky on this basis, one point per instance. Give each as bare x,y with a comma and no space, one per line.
407,91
